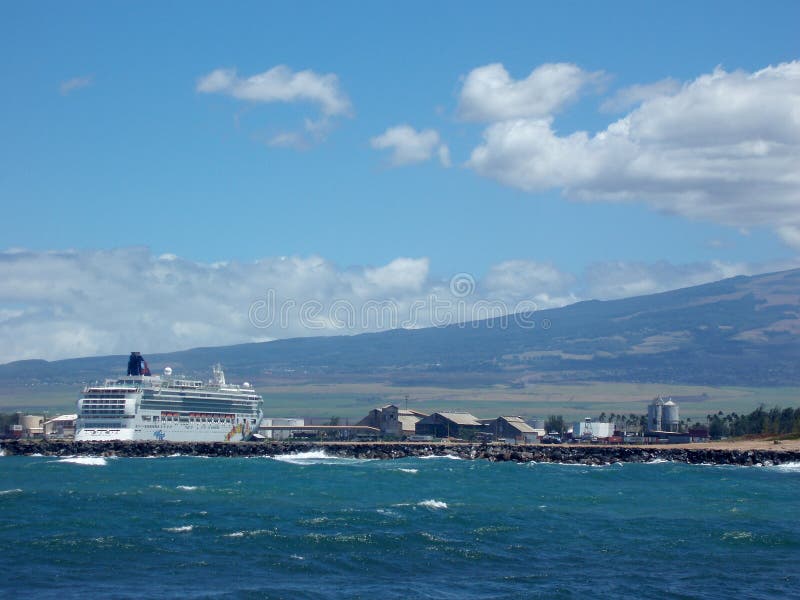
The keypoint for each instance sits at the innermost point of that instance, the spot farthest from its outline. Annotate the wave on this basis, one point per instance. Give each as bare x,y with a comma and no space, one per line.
450,456
408,470
187,488
244,533
433,504
790,467
316,457
2,451
181,529
7,492
91,461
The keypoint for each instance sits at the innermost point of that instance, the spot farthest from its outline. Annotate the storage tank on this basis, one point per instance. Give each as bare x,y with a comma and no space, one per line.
655,415
30,422
670,418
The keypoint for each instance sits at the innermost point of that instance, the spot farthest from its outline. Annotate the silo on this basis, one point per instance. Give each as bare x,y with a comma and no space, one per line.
670,418
30,422
655,415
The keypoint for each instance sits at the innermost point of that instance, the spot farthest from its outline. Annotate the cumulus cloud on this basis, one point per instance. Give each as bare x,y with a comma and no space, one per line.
489,93
636,94
724,148
281,84
410,146
76,83
77,303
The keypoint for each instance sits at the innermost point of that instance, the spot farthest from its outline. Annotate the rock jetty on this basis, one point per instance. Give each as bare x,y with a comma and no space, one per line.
587,455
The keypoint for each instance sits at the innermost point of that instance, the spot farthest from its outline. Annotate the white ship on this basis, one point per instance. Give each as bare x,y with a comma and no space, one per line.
142,406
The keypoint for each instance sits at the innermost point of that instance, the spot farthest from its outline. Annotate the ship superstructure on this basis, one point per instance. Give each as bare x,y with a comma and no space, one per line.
141,406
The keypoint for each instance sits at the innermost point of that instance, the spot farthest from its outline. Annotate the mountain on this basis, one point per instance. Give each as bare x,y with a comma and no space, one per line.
738,331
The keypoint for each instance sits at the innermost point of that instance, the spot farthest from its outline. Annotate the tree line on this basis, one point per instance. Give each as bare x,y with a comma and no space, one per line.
775,421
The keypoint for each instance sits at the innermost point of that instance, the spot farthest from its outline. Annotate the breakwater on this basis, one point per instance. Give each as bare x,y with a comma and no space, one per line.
588,455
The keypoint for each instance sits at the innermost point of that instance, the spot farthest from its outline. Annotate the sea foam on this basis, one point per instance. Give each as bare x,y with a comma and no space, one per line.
433,504
450,456
90,461
181,529
791,467
316,457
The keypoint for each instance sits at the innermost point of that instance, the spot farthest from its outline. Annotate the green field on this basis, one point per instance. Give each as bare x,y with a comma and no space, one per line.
352,401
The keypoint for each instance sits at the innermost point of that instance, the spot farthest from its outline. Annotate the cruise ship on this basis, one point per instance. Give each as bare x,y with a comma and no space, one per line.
142,406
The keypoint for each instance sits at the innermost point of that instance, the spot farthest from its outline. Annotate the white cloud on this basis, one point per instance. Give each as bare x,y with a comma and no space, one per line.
638,93
76,83
621,279
725,148
516,280
280,84
490,94
410,146
77,303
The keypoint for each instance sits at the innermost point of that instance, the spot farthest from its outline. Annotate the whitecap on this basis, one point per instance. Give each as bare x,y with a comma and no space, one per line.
657,461
296,557
187,488
91,461
316,457
181,529
450,456
408,470
737,535
2,451
244,533
7,492
433,504
792,467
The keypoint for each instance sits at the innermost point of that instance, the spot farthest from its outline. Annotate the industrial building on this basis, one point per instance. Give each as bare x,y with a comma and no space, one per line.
393,421
451,424
62,426
663,416
279,429
588,429
513,430
28,426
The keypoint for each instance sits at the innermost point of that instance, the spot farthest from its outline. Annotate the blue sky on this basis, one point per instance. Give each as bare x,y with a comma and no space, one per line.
109,143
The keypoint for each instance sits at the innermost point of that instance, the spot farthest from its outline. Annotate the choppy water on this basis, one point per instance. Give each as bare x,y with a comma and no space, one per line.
318,527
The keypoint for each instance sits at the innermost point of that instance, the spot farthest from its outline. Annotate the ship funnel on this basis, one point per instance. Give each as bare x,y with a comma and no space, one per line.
137,365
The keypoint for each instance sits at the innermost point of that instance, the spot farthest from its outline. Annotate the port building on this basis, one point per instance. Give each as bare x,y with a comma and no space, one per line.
513,430
393,421
589,429
451,424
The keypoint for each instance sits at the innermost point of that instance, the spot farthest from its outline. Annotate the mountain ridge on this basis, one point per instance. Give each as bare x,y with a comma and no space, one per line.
737,331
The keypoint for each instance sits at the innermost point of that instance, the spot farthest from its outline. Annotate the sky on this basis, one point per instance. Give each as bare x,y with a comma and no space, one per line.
191,173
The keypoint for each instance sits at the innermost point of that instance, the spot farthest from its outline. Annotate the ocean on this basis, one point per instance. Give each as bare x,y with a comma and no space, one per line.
310,526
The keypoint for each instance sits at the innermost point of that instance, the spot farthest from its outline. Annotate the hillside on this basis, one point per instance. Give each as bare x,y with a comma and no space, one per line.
738,331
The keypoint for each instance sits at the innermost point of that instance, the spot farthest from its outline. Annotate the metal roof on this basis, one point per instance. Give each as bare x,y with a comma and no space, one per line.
519,424
62,418
460,418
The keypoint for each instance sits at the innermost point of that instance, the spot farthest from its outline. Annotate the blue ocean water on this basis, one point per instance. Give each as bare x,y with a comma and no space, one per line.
317,527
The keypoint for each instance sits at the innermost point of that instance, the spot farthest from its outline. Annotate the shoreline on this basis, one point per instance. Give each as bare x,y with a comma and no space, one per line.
720,453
